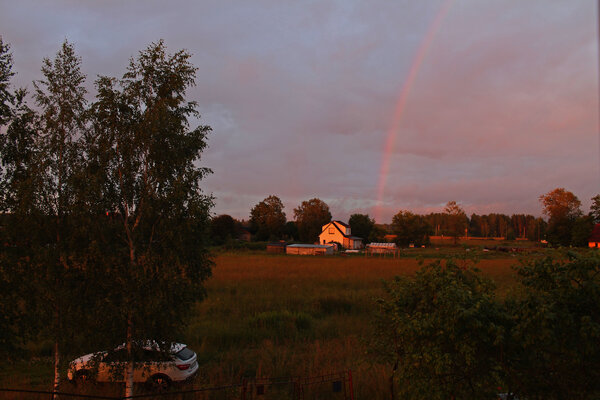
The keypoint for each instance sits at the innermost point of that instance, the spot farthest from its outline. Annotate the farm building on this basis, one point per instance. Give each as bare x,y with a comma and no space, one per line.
381,248
309,249
390,238
594,240
339,232
277,247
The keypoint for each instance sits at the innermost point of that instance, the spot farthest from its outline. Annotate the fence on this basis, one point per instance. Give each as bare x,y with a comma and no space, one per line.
334,386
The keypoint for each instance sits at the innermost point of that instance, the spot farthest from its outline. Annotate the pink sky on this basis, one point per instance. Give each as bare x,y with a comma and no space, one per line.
302,95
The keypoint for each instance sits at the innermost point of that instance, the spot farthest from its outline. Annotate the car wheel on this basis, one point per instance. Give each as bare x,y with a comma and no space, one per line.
159,382
82,376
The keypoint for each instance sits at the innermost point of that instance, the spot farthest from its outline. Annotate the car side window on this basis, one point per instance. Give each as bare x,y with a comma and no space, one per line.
119,355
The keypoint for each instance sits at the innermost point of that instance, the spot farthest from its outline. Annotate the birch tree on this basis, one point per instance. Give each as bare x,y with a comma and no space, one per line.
145,157
60,96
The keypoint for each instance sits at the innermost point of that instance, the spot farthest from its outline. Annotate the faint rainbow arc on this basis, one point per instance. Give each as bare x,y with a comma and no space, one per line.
399,110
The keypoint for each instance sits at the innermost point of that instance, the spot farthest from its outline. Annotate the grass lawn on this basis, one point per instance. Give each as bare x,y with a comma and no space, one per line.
277,315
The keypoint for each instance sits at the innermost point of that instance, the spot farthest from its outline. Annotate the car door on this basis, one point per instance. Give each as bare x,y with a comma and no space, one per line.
112,367
152,362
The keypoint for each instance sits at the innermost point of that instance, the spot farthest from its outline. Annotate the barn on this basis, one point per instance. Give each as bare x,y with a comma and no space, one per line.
594,240
309,249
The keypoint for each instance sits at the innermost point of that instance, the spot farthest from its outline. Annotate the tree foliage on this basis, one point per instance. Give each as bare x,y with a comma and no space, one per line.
595,209
144,161
15,149
310,216
556,331
410,228
6,73
448,335
442,330
56,265
267,219
560,204
457,219
290,231
361,225
223,228
563,209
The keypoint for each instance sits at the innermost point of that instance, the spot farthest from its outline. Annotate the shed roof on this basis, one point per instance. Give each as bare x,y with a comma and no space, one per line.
382,245
309,246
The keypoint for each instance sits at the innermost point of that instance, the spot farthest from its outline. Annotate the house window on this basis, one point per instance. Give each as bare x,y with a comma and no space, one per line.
331,231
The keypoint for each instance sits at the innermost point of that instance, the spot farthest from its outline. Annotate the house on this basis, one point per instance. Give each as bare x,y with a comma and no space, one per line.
594,240
309,249
339,232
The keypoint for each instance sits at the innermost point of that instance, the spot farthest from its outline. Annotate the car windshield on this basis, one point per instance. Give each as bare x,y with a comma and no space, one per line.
184,354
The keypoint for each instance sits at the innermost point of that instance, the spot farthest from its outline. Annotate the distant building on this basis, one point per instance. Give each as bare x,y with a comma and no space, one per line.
339,232
309,249
594,240
277,247
244,235
390,238
381,248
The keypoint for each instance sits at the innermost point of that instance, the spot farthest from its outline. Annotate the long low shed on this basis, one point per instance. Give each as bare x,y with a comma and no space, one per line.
309,249
381,248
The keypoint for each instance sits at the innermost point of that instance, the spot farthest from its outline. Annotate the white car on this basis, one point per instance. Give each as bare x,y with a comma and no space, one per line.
152,366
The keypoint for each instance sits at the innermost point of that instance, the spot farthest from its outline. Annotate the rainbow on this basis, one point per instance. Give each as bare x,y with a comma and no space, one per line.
402,98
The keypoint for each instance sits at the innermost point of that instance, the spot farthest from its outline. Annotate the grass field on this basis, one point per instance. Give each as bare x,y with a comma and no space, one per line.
276,315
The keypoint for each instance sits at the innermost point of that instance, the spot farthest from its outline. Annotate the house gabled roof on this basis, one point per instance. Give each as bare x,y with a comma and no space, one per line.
336,227
342,224
595,236
339,230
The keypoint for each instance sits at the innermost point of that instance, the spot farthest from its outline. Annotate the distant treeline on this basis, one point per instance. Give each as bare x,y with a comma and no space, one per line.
567,224
492,225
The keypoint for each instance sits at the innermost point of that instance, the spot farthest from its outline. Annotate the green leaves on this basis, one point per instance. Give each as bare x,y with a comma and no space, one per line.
451,337
557,322
102,207
410,228
445,329
145,165
267,219
310,216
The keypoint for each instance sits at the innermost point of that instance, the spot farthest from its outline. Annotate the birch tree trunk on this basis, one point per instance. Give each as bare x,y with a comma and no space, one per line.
129,372
56,369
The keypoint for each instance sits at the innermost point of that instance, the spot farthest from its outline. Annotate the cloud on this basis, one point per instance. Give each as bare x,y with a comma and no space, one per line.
301,95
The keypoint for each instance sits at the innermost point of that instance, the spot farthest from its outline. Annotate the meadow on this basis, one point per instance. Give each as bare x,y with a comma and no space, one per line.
268,315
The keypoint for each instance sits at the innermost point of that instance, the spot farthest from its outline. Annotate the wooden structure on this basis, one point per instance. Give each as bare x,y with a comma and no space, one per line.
309,249
381,248
277,247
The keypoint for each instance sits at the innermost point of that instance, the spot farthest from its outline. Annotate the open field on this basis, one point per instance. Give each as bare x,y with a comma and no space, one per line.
276,315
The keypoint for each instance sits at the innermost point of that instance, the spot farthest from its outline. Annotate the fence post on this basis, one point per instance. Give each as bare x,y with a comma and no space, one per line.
350,382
